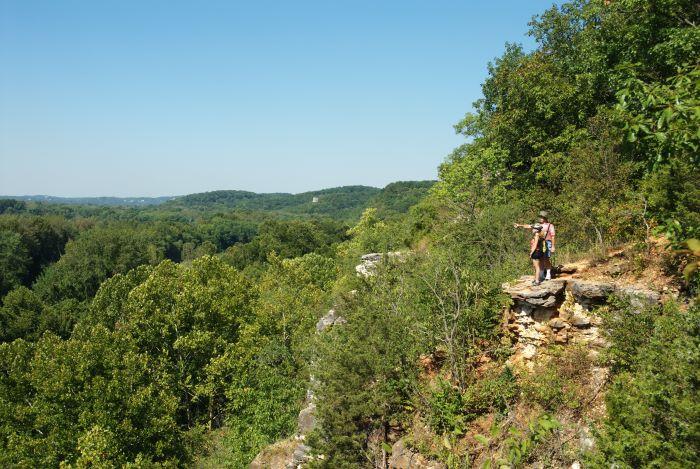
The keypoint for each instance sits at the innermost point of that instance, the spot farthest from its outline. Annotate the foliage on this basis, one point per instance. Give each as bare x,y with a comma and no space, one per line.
57,396
521,445
14,261
546,126
93,258
451,410
287,239
559,381
653,405
367,369
464,311
627,329
398,197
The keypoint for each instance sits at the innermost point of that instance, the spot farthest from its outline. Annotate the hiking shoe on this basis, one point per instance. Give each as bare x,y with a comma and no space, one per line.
535,283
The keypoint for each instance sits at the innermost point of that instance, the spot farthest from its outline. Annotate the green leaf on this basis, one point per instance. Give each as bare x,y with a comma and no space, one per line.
482,439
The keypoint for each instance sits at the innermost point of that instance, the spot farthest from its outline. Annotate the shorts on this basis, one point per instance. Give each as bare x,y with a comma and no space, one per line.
537,254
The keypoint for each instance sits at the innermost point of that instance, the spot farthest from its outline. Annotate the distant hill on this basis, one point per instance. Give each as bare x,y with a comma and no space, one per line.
398,197
340,203
106,201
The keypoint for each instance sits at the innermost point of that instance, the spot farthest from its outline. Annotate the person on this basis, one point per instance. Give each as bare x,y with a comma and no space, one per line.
536,249
549,236
541,246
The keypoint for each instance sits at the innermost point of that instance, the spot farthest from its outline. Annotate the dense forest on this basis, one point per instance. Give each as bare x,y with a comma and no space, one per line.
183,333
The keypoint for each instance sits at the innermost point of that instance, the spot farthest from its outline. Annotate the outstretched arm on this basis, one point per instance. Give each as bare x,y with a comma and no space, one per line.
520,225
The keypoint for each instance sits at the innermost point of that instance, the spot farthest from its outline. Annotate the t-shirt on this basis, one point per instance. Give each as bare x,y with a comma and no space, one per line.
548,230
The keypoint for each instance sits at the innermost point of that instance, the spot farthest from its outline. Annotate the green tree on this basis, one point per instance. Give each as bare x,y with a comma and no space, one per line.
654,405
14,261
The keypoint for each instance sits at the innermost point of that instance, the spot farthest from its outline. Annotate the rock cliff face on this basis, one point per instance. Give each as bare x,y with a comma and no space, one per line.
560,311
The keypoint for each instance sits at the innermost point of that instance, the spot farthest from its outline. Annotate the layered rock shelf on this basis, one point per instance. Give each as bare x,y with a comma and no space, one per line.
561,311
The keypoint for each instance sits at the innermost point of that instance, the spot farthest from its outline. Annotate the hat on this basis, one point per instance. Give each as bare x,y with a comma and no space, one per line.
543,213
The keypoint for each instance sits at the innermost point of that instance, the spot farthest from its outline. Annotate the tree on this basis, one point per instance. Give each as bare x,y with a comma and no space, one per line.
14,261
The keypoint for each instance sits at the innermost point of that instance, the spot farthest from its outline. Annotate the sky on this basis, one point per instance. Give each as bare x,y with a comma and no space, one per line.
151,98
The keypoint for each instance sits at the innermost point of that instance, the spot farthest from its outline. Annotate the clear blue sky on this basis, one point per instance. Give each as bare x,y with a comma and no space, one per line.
150,97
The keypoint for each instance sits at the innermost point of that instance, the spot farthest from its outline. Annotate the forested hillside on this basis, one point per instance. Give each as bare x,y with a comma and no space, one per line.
340,203
185,334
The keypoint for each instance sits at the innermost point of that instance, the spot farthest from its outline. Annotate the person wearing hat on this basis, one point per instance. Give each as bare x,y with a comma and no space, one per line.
541,246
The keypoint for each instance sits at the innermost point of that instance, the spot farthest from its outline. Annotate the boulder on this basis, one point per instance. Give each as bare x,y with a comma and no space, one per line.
580,321
307,419
523,290
639,297
557,323
330,319
590,291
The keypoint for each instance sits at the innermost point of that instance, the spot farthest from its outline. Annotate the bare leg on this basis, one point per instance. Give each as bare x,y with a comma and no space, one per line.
536,265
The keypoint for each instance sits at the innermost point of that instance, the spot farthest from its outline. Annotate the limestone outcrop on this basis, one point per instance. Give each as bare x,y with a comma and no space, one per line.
560,311
368,266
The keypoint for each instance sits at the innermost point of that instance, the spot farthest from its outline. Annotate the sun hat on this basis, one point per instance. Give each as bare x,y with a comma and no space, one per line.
543,213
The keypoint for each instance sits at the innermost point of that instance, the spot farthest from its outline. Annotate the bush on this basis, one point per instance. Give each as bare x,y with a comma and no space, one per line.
558,381
491,393
654,402
626,329
445,407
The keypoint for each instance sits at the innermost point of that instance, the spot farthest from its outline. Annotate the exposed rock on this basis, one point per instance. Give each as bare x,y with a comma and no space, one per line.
529,351
586,440
403,457
542,315
559,312
639,297
557,323
368,267
275,456
330,319
561,338
589,291
581,321
542,295
307,419
300,456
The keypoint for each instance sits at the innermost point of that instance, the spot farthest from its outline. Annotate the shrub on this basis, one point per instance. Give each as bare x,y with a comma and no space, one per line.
445,406
559,381
626,329
654,403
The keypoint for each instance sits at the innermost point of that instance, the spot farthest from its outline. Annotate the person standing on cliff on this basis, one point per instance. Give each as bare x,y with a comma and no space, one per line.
549,235
541,246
